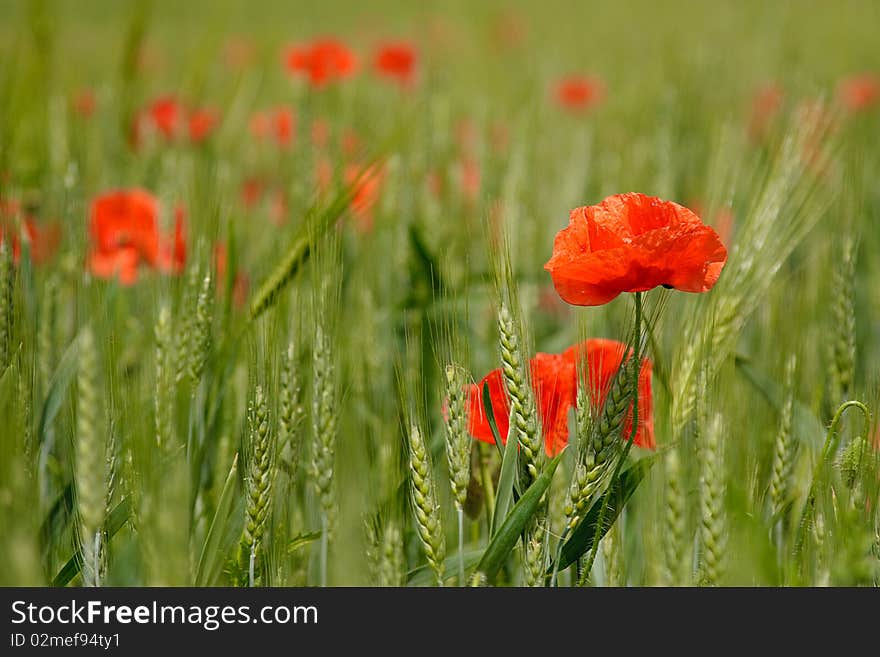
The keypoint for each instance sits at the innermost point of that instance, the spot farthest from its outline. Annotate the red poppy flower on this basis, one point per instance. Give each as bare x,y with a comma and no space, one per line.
766,104
42,239
368,186
166,115
576,93
633,243
252,191
859,92
84,103
396,61
554,381
321,61
603,359
172,253
320,133
278,124
240,281
125,233
202,123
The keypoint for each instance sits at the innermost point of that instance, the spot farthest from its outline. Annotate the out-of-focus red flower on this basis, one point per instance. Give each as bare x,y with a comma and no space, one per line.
321,61
466,134
554,382
396,61
470,178
367,188
252,191
125,234
278,207
859,92
320,133
578,93
633,243
84,103
240,281
166,114
278,124
163,117
323,175
43,239
172,251
202,122
766,104
351,142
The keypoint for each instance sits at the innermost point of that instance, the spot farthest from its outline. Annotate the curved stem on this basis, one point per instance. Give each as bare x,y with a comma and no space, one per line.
832,441
488,486
634,382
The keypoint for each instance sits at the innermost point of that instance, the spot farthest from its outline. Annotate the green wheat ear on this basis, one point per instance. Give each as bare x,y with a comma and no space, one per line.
261,476
458,440
90,463
426,506
843,347
713,524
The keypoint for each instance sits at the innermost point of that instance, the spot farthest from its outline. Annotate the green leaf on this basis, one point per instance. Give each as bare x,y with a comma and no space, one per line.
805,425
302,540
58,386
504,495
115,521
507,535
425,575
490,416
586,532
206,571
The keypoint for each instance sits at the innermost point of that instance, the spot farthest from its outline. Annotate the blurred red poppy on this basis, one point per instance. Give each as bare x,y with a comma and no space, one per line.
322,61
84,103
396,61
202,122
172,252
320,133
278,124
859,92
554,381
166,115
633,243
124,231
240,281
766,104
576,93
368,186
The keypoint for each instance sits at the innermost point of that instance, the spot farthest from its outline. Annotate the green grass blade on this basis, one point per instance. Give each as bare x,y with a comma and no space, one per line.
302,540
507,535
115,521
206,570
58,386
425,576
504,495
490,416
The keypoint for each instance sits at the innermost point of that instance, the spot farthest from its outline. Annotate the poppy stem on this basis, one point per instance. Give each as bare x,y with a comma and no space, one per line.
634,383
488,487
